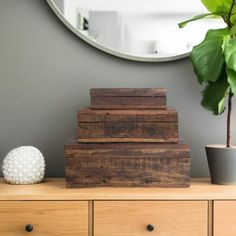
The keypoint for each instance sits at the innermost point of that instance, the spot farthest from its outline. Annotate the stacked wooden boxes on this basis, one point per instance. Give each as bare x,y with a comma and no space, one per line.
127,138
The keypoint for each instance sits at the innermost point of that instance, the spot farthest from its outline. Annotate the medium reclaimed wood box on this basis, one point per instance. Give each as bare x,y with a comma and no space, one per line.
128,98
127,165
128,125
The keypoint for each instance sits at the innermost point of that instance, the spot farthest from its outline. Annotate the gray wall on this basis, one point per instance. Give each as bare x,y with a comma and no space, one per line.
60,5
46,73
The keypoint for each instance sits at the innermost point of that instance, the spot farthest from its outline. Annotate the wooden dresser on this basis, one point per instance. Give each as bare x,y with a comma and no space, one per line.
49,209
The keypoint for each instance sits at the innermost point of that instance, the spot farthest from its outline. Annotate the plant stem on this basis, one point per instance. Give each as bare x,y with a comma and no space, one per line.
230,14
229,120
229,116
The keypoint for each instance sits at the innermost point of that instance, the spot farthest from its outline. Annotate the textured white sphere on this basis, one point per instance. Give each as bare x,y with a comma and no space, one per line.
24,165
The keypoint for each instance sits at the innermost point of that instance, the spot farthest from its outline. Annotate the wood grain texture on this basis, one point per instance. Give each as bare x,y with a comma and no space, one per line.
224,218
128,102
90,115
128,132
128,140
127,165
127,126
127,92
179,218
49,218
55,189
129,98
127,172
128,107
73,149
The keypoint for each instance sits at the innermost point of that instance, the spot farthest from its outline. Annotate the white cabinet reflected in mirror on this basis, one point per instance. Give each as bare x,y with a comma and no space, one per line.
136,29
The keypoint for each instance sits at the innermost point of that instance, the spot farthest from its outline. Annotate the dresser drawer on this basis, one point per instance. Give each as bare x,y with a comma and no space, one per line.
224,218
48,218
160,218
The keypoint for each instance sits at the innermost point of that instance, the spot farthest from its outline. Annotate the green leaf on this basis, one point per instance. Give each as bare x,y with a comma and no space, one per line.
214,95
232,80
198,17
229,48
207,57
221,106
218,5
233,18
217,33
225,41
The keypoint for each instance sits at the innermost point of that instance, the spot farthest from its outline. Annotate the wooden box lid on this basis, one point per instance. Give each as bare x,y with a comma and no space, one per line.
128,98
73,149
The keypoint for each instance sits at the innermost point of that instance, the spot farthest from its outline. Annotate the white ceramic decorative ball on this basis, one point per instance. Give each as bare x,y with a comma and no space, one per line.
24,165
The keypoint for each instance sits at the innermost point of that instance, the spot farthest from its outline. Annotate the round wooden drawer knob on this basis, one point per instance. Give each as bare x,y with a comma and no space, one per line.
29,228
150,228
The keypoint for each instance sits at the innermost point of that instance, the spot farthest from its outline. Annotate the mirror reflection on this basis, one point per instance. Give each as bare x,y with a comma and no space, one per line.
137,29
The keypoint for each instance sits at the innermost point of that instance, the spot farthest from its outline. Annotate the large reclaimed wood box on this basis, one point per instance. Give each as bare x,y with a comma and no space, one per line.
128,125
128,98
127,165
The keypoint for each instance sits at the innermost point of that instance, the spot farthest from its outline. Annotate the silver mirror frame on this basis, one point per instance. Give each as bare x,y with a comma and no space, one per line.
108,50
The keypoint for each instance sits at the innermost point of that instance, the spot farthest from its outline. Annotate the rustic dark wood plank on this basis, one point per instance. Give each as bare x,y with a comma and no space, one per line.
127,165
128,140
128,98
127,92
113,150
128,102
127,126
128,132
127,107
127,172
91,115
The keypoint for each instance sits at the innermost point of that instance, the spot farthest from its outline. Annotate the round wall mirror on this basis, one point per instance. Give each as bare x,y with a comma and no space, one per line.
136,29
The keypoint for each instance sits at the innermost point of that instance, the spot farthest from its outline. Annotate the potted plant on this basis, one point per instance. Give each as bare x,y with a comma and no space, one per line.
214,63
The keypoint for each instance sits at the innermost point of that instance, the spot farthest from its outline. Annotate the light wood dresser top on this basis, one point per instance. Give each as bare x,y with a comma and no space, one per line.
54,189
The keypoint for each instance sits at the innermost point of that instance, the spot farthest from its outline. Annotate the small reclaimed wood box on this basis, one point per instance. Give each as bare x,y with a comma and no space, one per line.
128,125
127,165
128,98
